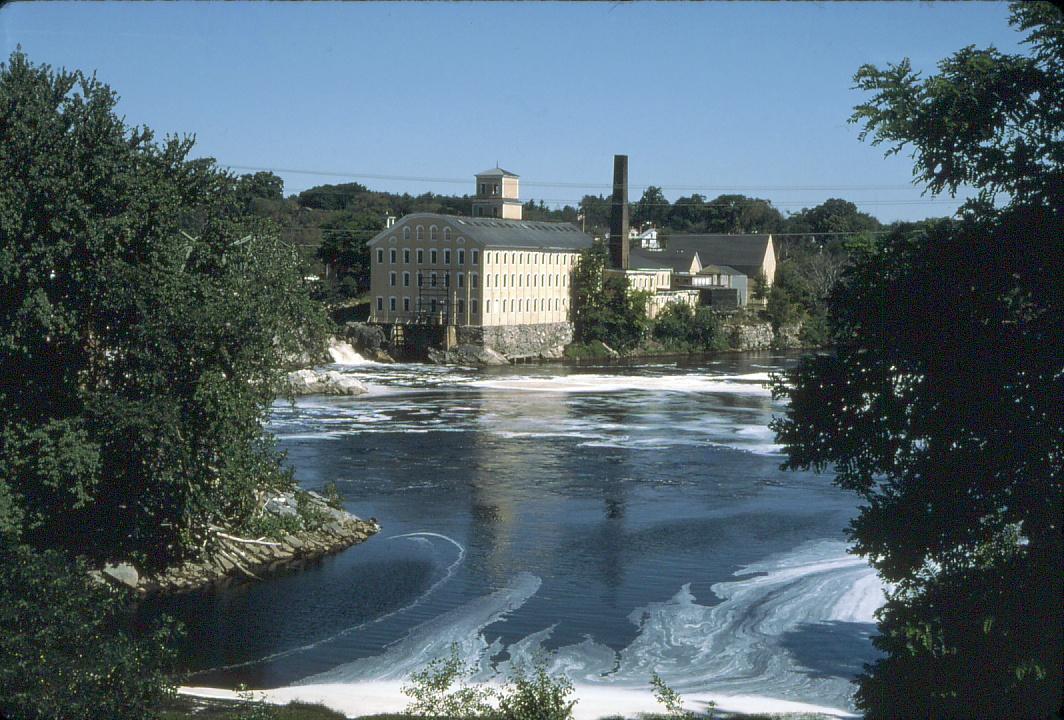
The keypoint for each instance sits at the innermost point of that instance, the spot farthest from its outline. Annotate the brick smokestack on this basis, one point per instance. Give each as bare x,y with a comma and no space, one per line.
619,214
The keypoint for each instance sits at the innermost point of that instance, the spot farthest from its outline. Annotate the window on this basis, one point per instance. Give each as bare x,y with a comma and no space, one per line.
420,232
461,280
391,256
461,257
473,305
391,304
504,306
420,257
380,303
391,278
406,304
473,278
447,234
406,279
461,306
406,256
432,257
520,305
447,280
476,257
420,279
446,257
406,233
503,281
520,281
432,282
487,306
433,234
433,305
380,255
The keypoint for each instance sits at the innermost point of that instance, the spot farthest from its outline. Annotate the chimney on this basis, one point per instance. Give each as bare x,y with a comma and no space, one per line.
619,214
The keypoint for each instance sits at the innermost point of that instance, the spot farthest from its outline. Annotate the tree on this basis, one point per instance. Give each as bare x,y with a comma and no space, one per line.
343,249
64,652
943,402
653,208
146,318
604,307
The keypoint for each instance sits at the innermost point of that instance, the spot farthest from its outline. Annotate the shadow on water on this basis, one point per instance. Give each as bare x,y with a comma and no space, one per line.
832,648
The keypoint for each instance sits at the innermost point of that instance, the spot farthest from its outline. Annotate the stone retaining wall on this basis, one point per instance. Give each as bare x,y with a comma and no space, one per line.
543,340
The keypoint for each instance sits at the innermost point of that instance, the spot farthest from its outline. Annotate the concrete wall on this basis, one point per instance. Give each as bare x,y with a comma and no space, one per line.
539,340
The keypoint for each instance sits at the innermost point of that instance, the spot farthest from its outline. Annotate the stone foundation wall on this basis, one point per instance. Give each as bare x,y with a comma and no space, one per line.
544,340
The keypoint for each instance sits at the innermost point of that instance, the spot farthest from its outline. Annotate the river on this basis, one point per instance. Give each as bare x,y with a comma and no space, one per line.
615,520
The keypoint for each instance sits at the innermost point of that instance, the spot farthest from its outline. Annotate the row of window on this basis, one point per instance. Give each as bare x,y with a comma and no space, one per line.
434,233
528,280
515,280
519,305
531,305
433,279
431,305
393,255
521,258
505,258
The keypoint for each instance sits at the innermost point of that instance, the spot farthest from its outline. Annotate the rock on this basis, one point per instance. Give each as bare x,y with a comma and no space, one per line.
324,382
122,574
467,355
365,337
293,541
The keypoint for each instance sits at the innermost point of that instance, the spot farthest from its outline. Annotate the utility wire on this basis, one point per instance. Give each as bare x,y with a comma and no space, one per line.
563,184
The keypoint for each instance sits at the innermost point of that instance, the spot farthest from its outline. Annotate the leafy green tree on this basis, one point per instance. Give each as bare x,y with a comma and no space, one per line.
680,327
64,651
653,208
741,214
943,402
146,318
604,307
344,251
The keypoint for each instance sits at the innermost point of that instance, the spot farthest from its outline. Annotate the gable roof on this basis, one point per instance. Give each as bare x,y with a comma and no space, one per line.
677,260
739,251
497,171
496,232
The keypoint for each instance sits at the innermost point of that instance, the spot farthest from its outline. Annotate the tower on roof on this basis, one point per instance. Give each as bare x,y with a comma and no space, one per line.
497,195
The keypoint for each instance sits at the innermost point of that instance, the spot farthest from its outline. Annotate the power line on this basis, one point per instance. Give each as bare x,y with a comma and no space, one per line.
564,184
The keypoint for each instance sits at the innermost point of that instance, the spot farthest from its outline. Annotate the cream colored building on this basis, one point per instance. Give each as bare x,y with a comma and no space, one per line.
448,270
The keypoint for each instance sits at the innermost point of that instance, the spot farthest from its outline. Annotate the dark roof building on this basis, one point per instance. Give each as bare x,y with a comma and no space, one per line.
749,254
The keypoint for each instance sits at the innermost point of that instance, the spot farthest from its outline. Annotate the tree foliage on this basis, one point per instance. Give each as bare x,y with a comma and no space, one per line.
64,652
943,403
144,317
604,306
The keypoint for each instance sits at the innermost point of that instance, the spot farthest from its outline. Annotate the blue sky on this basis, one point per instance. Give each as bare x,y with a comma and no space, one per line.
712,98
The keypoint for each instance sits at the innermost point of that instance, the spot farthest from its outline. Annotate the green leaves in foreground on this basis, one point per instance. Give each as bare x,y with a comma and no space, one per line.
444,689
64,652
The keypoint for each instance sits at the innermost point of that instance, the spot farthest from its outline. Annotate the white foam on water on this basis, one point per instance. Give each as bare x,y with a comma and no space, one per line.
590,383
729,653
373,697
343,354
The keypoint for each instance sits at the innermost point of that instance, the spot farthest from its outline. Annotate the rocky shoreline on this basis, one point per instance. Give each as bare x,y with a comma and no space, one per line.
317,529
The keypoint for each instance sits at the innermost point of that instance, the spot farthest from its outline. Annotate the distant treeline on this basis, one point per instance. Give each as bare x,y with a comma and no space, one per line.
331,223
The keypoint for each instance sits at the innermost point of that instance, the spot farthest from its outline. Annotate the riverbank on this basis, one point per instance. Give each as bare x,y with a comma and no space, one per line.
295,526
